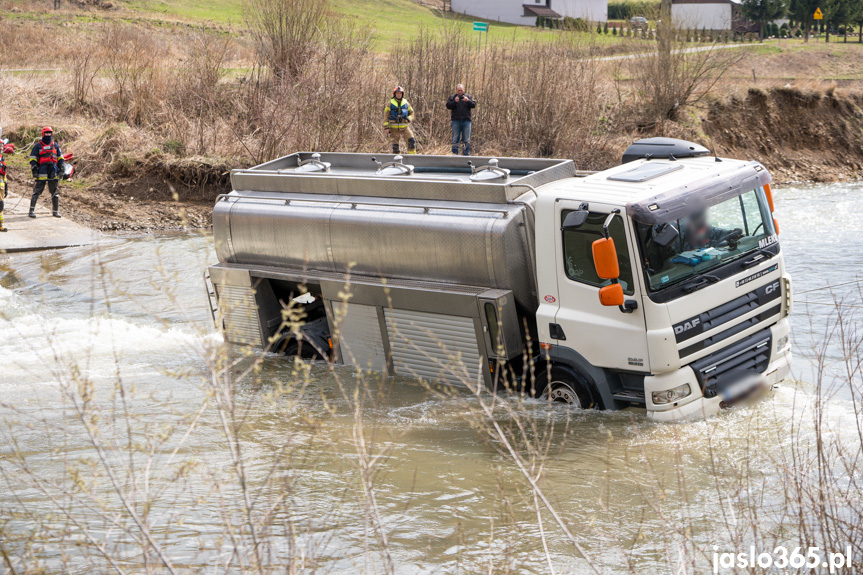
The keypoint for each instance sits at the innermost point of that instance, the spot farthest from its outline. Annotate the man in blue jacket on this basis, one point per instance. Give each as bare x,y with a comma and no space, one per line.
460,106
46,163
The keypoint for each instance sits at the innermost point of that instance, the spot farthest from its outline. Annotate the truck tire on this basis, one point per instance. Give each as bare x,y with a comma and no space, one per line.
563,384
314,344
289,346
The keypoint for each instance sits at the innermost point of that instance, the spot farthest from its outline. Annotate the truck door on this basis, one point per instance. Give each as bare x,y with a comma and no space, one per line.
605,336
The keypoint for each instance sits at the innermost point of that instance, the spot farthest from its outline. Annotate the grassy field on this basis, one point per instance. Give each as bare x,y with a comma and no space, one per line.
392,21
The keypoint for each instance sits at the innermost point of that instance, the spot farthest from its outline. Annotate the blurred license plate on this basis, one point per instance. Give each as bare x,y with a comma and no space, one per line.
743,387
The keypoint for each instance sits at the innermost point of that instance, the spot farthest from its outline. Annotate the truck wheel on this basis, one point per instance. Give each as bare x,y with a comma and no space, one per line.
315,341
289,346
561,384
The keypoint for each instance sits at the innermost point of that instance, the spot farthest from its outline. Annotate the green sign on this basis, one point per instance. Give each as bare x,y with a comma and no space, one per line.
480,26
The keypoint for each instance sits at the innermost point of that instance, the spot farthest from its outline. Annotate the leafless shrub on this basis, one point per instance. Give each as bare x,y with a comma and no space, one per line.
286,32
85,62
672,74
195,96
326,104
133,65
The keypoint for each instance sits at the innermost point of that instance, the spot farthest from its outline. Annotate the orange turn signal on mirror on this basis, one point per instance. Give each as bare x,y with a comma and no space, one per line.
545,346
776,226
769,192
611,295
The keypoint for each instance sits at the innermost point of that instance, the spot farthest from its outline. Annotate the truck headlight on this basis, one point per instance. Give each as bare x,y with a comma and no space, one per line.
782,343
671,395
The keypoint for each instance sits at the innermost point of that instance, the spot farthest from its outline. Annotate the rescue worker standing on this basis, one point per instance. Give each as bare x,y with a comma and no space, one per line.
46,162
460,106
397,118
4,149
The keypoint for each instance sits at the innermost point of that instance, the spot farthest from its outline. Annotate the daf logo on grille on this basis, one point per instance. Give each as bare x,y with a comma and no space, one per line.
687,325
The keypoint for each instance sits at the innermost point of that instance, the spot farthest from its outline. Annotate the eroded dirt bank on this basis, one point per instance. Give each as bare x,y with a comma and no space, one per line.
800,136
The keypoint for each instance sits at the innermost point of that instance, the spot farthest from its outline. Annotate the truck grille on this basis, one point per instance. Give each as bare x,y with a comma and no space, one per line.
747,357
766,299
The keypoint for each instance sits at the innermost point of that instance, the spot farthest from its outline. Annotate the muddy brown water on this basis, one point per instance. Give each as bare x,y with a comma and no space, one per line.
636,495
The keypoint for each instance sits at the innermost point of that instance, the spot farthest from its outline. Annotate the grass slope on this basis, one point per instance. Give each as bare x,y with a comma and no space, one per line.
392,21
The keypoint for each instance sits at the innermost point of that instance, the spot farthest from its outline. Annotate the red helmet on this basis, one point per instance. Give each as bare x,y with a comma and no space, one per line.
398,89
47,130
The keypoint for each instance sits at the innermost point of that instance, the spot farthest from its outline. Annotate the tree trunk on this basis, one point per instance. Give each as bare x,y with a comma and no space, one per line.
827,33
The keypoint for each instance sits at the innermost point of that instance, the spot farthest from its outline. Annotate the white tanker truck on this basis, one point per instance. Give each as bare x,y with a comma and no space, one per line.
658,283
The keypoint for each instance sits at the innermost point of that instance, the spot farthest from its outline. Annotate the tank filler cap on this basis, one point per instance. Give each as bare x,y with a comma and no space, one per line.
491,171
395,168
313,164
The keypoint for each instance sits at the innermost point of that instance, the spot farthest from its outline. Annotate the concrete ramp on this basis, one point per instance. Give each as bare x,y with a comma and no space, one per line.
42,233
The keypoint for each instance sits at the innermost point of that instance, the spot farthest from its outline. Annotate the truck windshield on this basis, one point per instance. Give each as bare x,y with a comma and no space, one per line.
705,239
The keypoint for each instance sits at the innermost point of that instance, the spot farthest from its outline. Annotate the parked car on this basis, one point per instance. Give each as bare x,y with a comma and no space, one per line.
638,23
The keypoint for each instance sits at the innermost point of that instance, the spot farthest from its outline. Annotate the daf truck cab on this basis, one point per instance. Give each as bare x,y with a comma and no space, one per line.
658,283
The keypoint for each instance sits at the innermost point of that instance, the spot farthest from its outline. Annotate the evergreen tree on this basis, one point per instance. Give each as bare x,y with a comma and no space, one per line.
764,12
802,11
838,13
857,18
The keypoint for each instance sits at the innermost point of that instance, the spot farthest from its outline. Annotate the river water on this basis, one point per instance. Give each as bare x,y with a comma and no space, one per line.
115,437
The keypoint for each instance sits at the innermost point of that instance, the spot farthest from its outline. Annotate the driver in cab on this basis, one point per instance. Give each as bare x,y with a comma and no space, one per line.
666,240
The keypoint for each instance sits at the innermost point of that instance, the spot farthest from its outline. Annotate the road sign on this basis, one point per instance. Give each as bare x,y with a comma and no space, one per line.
818,15
480,26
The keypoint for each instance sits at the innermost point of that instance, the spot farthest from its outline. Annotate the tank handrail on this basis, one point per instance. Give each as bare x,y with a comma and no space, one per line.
355,203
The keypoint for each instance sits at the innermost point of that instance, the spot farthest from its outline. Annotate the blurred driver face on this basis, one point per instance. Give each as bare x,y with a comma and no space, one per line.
698,230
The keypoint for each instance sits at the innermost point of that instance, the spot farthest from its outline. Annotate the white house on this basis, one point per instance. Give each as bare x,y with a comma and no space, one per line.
704,14
524,12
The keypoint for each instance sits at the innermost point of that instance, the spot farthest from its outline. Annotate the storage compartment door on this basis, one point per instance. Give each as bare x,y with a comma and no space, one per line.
433,347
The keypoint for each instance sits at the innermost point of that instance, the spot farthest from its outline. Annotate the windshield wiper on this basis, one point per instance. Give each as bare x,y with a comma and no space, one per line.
761,254
698,282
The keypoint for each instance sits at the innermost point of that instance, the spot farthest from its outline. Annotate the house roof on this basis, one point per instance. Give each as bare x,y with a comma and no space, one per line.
544,11
703,2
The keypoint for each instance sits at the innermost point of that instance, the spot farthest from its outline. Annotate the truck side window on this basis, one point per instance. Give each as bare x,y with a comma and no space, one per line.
578,253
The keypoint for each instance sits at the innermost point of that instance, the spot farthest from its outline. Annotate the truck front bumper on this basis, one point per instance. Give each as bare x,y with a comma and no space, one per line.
697,406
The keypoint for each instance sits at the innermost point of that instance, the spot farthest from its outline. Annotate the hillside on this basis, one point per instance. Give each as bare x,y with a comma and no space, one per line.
393,22
160,100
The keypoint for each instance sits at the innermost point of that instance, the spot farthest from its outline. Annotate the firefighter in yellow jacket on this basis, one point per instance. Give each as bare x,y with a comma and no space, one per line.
397,118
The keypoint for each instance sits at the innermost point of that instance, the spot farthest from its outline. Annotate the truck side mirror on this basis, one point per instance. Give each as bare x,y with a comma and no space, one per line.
605,259
611,295
574,220
665,235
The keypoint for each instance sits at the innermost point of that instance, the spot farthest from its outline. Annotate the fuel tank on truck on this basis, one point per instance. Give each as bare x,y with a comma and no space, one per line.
436,219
